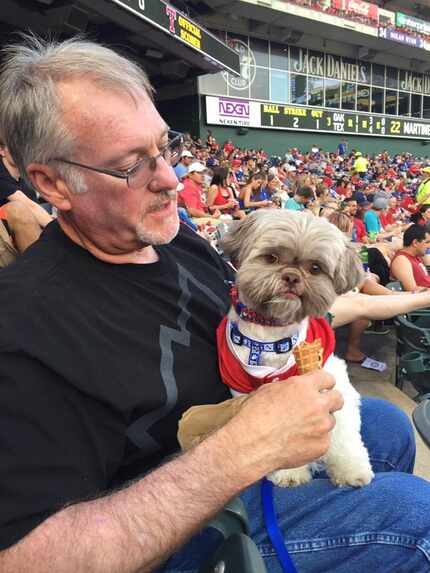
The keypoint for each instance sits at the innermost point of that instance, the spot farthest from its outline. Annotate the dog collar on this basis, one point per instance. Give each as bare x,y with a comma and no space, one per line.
256,347
250,315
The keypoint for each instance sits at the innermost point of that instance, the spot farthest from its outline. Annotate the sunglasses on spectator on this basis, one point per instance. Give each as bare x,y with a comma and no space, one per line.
138,174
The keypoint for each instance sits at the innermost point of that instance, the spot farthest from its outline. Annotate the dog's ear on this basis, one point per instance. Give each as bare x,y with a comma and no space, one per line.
349,272
237,238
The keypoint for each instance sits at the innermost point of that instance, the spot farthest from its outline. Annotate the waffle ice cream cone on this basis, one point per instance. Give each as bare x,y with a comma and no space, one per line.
309,356
200,421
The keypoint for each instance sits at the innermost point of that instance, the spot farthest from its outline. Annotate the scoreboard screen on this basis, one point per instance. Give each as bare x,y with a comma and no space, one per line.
240,112
316,119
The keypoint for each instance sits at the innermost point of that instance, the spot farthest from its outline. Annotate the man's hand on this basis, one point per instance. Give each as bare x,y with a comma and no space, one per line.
285,424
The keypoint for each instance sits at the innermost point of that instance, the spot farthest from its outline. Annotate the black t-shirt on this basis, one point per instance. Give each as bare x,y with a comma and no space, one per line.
97,364
8,186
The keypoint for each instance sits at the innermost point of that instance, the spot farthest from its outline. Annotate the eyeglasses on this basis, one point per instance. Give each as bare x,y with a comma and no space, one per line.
138,175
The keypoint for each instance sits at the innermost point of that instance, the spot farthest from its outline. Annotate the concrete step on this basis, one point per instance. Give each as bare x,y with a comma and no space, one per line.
381,384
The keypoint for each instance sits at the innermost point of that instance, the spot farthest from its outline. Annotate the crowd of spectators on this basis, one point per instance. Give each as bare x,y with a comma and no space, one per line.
381,203
328,8
375,200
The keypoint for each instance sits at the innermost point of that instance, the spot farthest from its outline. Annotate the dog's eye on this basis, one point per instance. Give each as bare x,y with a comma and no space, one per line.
315,269
272,259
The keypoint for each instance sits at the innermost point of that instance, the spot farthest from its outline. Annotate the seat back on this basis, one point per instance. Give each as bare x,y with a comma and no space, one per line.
238,552
394,285
413,332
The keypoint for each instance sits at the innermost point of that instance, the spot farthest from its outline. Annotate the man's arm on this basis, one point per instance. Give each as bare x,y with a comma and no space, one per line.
132,531
348,308
401,269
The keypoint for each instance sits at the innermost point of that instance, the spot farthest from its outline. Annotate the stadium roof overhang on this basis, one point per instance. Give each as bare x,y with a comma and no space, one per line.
172,46
272,19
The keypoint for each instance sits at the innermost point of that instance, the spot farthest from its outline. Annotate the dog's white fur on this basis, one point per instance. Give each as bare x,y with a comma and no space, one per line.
268,246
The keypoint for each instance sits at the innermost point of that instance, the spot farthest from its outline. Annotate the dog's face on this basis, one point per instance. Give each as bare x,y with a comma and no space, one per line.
290,265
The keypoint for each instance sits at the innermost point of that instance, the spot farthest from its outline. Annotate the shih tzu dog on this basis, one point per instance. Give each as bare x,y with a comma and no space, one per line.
291,267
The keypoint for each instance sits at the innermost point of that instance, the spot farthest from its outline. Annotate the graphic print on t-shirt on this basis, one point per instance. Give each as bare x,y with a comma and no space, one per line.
138,431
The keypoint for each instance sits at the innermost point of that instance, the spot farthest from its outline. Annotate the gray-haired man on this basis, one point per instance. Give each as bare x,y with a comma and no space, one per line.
108,335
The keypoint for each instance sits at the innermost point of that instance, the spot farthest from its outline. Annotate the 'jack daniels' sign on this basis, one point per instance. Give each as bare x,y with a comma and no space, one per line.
329,66
334,67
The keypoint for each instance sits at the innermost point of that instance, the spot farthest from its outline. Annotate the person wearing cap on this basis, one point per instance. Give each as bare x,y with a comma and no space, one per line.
407,265
423,192
192,196
181,168
371,219
361,164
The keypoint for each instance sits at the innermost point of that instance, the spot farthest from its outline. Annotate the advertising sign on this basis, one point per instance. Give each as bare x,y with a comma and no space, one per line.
401,37
416,24
359,7
245,113
247,66
338,20
172,21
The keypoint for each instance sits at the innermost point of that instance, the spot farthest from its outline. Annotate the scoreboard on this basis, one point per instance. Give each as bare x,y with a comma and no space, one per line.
250,113
317,119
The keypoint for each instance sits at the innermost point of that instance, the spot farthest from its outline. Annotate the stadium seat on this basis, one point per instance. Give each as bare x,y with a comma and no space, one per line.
394,285
421,418
413,350
237,552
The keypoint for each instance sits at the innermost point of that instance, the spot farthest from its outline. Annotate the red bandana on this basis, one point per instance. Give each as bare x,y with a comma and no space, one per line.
237,378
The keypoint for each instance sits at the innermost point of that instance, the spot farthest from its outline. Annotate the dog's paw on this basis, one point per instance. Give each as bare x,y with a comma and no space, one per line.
356,477
291,478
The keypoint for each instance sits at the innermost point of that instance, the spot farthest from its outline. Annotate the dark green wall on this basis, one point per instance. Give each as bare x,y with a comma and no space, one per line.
182,114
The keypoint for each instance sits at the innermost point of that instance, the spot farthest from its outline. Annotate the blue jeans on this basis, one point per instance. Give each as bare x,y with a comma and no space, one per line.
382,528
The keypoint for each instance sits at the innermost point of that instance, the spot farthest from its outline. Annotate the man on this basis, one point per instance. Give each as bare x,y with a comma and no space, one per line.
361,164
423,191
302,197
407,265
192,195
109,336
19,209
372,219
350,207
181,169
342,148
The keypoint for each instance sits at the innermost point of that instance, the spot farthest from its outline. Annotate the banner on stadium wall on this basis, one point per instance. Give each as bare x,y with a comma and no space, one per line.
401,37
416,24
235,112
324,17
358,7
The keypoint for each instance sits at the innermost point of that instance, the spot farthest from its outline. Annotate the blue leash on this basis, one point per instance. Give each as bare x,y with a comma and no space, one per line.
273,528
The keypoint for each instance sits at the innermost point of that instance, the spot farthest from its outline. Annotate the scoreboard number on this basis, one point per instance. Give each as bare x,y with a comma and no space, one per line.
277,116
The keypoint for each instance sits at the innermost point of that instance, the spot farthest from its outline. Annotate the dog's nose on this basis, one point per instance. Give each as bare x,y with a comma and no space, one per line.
292,278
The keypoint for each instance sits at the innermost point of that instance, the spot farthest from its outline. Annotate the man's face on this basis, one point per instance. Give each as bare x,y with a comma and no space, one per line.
196,176
187,161
303,200
422,246
351,208
114,130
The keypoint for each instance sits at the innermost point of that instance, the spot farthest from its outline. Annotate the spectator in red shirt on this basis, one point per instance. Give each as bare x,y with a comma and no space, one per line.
409,204
359,233
192,195
407,265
